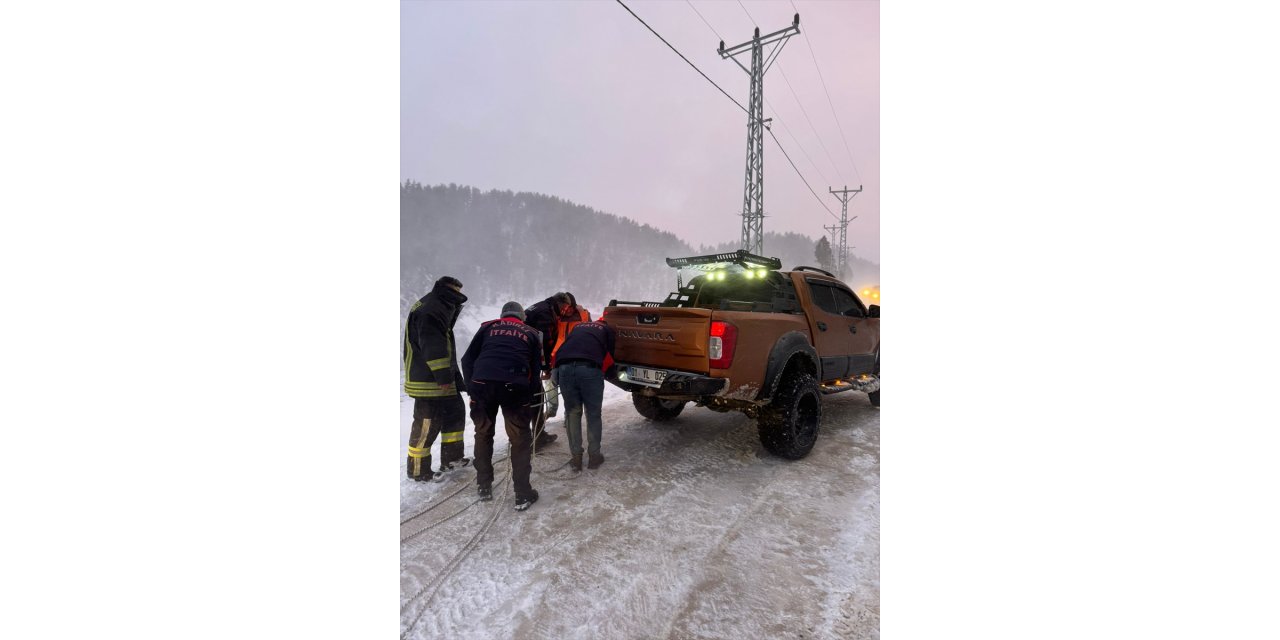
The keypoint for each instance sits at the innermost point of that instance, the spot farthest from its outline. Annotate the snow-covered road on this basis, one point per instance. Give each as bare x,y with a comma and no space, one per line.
689,530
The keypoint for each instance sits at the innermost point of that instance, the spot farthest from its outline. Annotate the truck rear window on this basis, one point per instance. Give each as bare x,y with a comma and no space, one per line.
735,291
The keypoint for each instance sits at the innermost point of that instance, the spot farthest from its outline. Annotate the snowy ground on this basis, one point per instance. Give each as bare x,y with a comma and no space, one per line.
688,530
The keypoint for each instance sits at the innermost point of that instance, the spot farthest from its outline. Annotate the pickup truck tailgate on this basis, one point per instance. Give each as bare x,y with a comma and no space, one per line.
661,337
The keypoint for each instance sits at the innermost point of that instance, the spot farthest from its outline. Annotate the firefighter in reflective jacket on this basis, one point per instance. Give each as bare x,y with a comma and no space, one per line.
432,378
501,369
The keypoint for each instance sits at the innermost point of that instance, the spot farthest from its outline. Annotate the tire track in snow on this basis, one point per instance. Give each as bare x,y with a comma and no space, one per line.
619,551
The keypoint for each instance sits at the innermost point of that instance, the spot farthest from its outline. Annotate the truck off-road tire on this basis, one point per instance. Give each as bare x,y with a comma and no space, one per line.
789,425
657,409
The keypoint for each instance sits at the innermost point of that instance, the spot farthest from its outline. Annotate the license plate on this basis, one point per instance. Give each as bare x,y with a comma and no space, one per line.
645,376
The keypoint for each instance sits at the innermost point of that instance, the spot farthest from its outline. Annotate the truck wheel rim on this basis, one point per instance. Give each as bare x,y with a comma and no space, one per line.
805,427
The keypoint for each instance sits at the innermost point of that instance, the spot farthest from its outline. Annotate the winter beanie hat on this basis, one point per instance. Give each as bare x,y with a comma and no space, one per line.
513,310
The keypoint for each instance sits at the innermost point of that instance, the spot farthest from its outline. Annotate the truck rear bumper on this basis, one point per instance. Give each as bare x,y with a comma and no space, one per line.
676,383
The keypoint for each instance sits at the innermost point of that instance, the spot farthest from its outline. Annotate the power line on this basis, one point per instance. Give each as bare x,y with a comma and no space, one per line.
796,140
807,119
753,185
726,94
830,102
704,20
801,104
695,67
793,166
753,20
771,108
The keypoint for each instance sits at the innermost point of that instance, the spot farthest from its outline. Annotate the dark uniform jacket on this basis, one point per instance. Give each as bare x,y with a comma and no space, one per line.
429,356
589,341
505,350
542,316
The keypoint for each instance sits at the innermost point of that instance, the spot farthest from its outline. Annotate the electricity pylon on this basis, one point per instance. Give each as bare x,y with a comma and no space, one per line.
835,240
842,253
753,191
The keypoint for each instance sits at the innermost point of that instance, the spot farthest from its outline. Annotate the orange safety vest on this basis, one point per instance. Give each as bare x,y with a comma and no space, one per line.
564,325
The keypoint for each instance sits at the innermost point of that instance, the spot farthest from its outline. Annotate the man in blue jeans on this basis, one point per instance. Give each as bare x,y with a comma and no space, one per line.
580,363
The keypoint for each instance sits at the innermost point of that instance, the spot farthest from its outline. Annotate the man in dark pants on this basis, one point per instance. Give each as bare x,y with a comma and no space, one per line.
431,378
543,316
501,369
580,363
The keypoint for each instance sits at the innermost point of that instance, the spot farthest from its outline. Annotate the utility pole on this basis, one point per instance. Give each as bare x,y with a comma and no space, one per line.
842,255
835,246
753,191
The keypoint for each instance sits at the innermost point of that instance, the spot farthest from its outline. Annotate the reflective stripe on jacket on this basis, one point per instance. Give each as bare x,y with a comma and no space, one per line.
430,359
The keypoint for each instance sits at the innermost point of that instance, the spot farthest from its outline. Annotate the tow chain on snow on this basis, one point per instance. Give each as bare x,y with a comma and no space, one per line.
533,448
448,517
441,500
456,561
436,583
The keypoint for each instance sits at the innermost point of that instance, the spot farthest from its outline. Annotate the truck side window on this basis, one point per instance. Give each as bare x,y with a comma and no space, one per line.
845,301
823,296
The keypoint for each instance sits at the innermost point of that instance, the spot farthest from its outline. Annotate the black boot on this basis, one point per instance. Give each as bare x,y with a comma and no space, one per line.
596,460
485,492
575,462
456,464
525,502
544,439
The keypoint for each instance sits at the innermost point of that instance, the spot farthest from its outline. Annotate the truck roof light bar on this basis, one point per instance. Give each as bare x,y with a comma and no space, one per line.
740,257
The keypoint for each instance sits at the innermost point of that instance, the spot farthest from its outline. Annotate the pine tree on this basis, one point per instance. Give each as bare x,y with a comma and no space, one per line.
826,260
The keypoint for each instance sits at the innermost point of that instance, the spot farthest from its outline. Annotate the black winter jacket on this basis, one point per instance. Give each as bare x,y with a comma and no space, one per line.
593,341
542,316
505,350
430,359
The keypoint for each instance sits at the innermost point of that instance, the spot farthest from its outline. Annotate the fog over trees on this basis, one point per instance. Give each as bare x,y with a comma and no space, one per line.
795,249
525,246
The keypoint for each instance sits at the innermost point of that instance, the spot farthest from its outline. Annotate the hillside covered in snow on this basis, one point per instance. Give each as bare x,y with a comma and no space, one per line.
524,246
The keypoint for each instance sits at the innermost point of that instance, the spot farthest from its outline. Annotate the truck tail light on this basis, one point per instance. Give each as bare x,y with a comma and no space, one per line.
724,337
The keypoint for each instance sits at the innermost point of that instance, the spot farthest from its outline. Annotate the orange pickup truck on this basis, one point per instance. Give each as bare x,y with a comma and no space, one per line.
745,336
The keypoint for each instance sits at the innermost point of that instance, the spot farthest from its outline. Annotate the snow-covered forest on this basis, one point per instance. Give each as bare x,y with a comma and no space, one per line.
526,246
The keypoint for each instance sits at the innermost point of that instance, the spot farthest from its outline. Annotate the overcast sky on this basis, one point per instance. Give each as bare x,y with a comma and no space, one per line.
580,101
